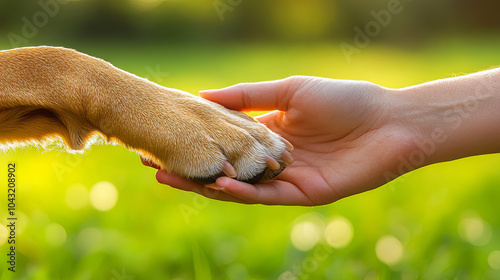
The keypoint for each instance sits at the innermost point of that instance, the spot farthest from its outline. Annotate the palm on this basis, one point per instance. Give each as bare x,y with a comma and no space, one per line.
337,142
342,169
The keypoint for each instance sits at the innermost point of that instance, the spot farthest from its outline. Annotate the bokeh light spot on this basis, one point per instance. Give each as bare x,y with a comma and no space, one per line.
77,196
103,196
339,232
475,231
89,239
389,250
305,235
55,234
494,259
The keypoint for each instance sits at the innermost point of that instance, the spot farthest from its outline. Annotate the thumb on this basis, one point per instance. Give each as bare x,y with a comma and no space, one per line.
262,96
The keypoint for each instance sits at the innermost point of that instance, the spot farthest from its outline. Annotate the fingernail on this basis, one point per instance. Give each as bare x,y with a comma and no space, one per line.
218,184
207,91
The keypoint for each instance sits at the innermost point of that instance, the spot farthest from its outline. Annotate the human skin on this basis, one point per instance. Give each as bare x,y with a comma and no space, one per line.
354,136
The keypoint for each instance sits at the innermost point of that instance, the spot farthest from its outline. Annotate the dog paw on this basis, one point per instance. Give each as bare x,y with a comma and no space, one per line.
52,92
202,141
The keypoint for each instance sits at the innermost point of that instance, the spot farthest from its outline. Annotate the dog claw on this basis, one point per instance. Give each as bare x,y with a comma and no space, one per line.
289,146
149,163
287,158
272,163
229,170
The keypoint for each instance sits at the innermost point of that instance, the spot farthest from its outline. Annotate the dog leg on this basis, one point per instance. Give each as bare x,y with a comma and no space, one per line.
46,92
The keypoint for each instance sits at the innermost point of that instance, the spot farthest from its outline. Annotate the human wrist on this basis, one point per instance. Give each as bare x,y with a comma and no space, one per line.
452,118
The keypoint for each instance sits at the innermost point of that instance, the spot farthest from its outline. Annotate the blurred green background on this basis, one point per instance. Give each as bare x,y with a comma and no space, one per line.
102,215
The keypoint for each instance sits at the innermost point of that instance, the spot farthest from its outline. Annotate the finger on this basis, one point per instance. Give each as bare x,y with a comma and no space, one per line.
274,193
184,184
176,181
262,96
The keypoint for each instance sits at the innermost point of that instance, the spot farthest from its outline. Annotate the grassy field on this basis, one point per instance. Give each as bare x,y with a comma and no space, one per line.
439,222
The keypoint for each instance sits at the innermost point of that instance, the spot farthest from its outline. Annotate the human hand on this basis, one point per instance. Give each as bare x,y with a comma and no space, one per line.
344,142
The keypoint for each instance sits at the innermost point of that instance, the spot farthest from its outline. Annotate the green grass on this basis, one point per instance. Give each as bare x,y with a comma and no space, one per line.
155,232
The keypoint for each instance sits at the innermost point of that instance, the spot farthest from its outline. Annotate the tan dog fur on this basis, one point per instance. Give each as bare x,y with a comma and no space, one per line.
47,92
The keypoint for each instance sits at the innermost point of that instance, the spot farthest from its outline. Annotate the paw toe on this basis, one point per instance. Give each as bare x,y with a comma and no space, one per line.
265,176
208,180
257,178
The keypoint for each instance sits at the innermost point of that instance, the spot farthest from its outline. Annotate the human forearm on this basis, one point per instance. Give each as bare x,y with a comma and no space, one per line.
452,118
